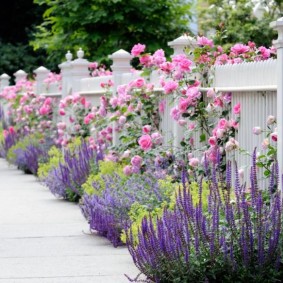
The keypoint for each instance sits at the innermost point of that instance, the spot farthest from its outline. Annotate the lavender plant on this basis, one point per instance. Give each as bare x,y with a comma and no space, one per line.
232,240
67,178
10,138
108,212
28,159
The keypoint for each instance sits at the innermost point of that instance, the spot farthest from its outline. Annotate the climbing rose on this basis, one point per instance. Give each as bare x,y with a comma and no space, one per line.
231,145
237,108
274,136
270,120
257,130
145,142
240,48
170,86
137,49
128,170
136,161
194,162
203,41
146,129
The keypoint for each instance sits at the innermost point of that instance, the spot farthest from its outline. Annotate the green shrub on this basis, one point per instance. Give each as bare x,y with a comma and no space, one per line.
55,156
104,168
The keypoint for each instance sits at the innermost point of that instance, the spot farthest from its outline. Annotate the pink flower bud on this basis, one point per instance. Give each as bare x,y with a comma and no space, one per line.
194,162
128,170
146,129
270,120
257,130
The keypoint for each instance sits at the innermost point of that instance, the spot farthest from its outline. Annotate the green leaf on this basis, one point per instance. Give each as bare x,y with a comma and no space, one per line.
202,138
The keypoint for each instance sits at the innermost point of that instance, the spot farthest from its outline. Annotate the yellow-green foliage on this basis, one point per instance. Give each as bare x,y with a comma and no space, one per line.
55,156
22,144
139,211
76,142
1,135
105,168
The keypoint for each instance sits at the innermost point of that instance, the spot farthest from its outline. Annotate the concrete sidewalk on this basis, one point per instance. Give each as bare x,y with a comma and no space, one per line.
44,239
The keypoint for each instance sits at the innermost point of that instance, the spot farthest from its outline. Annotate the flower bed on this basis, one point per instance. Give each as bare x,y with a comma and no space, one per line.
173,203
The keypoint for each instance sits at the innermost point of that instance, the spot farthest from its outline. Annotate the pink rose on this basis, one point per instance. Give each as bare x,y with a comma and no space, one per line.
212,141
62,112
191,126
257,130
170,86
145,142
240,48
137,49
270,120
203,41
265,144
157,138
87,120
274,136
210,93
128,170
241,173
136,161
93,65
183,104
182,122
231,145
237,108
146,129
122,120
139,83
62,125
12,130
223,124
220,133
162,105
126,154
43,110
194,162
146,60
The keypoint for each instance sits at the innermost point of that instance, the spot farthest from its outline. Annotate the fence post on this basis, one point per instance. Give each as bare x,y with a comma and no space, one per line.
278,43
179,45
4,81
121,64
41,75
65,68
20,75
79,70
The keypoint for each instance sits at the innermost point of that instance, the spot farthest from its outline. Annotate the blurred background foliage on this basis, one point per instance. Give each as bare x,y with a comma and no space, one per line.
40,32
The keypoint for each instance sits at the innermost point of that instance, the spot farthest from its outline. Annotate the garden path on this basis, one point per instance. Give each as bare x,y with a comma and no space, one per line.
44,239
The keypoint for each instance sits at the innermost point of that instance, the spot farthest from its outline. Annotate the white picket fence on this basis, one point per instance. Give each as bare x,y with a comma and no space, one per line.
255,85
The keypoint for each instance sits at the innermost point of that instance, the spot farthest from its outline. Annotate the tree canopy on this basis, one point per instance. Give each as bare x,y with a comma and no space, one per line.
101,27
18,20
234,21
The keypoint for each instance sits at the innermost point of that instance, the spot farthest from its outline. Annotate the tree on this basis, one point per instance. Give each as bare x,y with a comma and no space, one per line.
19,17
101,27
235,21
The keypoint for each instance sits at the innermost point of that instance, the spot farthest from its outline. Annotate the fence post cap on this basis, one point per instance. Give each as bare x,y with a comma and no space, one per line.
5,76
182,40
41,70
80,53
277,24
120,54
20,73
69,56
